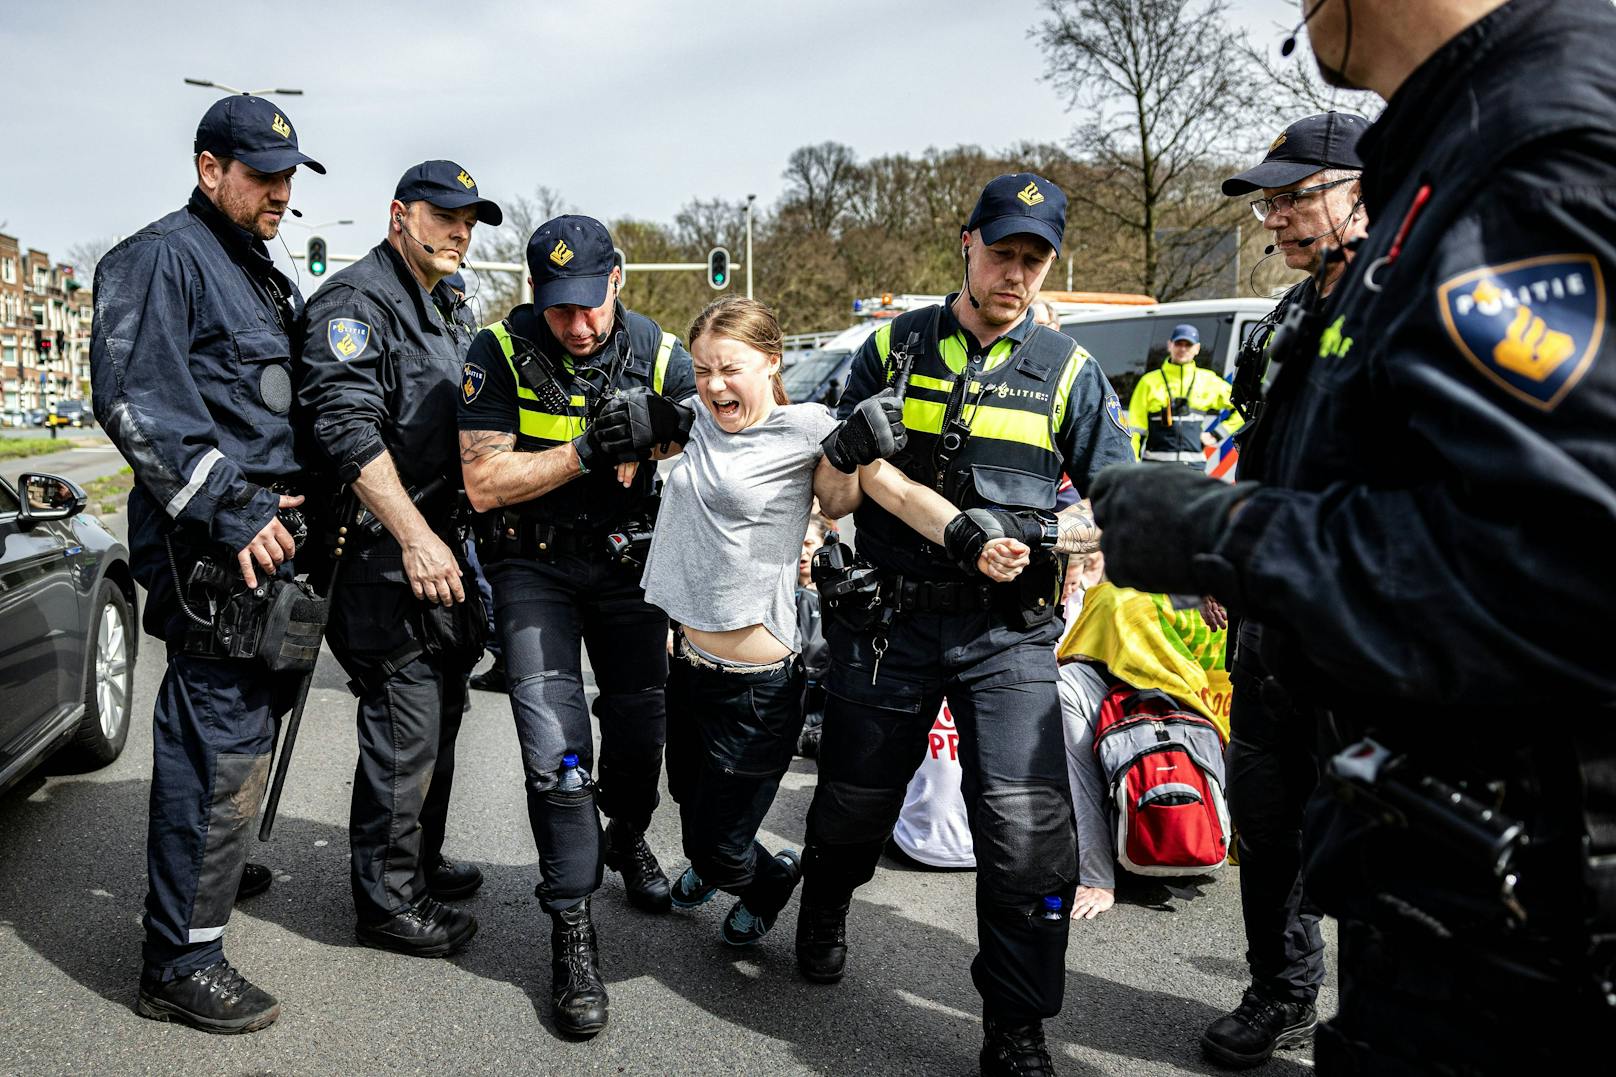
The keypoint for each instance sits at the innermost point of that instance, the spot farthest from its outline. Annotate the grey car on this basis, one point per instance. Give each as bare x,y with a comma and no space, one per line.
68,629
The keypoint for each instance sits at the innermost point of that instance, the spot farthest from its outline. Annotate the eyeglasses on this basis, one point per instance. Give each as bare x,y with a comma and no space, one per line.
1284,203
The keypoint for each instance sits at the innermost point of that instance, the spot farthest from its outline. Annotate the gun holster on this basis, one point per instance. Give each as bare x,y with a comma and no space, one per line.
458,631
279,622
849,589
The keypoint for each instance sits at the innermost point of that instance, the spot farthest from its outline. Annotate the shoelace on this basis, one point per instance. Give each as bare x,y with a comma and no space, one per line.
1028,1053
1257,1011
743,919
224,979
825,927
690,884
644,859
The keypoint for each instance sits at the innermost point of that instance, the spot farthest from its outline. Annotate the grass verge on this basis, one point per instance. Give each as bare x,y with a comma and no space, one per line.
110,493
18,448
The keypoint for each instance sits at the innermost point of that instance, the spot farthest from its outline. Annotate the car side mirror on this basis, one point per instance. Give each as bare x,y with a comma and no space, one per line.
49,497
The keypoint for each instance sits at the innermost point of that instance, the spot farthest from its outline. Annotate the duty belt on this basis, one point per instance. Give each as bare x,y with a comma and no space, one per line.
537,539
930,596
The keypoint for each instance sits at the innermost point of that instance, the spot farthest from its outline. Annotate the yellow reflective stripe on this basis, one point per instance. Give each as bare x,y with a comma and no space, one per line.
954,353
998,354
547,427
883,342
1009,424
503,335
661,368
925,416
1063,386
921,381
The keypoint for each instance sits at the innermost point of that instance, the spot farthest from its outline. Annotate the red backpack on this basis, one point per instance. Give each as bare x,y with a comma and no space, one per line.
1165,769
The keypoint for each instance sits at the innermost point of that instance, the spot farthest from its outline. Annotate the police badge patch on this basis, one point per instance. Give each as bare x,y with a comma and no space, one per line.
1113,410
347,338
1533,327
473,383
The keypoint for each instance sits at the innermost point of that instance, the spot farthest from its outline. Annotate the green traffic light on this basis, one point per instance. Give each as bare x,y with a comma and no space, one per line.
719,277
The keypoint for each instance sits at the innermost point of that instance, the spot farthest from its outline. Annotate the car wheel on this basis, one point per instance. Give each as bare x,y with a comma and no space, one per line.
105,726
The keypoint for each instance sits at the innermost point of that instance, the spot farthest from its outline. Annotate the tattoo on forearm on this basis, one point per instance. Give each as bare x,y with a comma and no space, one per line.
1078,532
478,444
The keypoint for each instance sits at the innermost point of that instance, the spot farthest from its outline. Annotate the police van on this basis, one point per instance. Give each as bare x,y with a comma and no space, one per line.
1128,341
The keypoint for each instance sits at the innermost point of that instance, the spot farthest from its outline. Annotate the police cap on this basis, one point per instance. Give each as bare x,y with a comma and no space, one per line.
570,259
253,131
447,186
1311,144
1020,203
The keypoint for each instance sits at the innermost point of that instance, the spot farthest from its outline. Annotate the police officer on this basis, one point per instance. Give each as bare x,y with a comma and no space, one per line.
1425,549
1311,203
996,409
542,389
380,380
191,365
1178,408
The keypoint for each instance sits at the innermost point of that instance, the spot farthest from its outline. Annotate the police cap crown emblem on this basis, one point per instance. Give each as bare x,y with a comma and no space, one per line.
1030,194
280,126
466,181
562,254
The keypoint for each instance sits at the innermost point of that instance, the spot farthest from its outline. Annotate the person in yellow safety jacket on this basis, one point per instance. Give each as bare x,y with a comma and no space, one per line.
1179,407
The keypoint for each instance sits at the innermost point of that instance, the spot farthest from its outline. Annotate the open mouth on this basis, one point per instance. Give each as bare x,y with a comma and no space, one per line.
726,409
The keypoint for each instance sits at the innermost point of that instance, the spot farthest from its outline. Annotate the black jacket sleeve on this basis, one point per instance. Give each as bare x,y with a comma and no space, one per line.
342,376
147,400
1092,433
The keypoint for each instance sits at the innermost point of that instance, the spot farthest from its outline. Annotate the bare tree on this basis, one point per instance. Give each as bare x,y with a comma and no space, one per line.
496,293
85,255
1166,90
820,183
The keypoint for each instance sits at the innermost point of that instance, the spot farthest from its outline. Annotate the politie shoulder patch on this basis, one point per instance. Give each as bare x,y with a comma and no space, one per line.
473,382
1113,410
1533,327
347,337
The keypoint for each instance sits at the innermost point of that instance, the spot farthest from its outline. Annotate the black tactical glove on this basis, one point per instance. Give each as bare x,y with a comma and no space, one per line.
1157,520
874,431
638,420
973,529
591,455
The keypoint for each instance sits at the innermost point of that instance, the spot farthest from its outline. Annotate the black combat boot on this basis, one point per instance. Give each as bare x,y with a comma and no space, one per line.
428,929
214,999
822,941
255,879
450,880
643,878
1014,1050
1252,1032
576,989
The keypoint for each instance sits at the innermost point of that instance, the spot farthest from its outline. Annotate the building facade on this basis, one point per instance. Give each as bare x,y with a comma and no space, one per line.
45,316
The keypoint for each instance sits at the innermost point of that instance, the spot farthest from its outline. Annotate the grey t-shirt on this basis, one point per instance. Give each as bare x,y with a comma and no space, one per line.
734,510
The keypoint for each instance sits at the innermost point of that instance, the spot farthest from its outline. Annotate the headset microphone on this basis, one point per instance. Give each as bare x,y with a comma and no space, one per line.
294,212
424,246
1289,45
965,253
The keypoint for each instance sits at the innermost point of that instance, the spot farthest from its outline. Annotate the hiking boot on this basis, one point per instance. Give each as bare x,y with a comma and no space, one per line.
429,929
689,891
448,880
629,856
215,999
491,679
1014,1050
1251,1033
742,927
255,879
576,991
822,941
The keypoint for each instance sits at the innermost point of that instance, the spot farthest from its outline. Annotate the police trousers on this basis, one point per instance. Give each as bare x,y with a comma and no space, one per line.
1000,683
544,610
410,707
212,737
1273,769
731,736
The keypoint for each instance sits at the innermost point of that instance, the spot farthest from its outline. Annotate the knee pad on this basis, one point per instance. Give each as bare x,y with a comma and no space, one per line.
1026,843
566,830
845,814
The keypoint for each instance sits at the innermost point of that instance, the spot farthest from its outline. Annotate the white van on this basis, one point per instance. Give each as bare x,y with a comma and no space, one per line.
1127,341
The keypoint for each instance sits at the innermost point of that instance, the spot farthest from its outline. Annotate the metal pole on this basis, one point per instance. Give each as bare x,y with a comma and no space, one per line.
749,200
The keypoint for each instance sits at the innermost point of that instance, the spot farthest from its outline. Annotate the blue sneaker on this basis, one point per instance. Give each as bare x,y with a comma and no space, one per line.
689,891
742,927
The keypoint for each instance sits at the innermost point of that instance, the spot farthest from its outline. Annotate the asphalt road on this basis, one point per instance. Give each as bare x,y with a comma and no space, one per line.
1143,979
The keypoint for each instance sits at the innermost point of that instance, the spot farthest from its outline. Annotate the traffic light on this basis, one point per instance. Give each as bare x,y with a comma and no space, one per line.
718,268
316,256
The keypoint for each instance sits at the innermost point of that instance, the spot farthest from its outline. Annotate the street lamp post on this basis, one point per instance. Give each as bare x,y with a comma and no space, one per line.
751,198
210,84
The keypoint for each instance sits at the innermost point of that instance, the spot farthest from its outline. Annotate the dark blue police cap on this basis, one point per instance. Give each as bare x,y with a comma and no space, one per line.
571,260
253,131
448,186
1017,203
1311,144
1186,332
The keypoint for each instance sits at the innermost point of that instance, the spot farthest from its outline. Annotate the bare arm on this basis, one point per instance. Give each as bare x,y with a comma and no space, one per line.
497,475
428,562
1079,534
838,492
929,513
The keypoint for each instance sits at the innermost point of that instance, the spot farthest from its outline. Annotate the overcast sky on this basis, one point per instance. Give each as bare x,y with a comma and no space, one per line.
629,108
